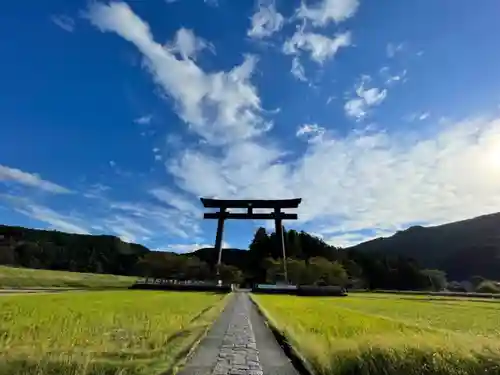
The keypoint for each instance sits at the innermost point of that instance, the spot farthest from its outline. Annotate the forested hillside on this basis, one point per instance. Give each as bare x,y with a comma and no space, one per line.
310,260
462,249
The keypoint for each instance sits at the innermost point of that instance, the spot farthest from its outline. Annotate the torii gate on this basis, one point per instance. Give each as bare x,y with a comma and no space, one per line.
278,216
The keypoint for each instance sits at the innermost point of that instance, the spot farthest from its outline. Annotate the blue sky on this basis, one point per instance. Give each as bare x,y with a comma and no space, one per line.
117,116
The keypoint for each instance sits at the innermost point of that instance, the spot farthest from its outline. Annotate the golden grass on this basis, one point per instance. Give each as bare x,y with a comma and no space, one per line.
360,335
13,277
120,332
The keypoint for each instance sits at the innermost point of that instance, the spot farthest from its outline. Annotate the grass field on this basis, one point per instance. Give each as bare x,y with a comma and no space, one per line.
118,332
11,277
388,334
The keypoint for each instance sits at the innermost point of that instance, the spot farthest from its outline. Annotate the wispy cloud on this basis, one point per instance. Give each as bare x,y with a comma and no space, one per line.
164,221
354,183
417,116
266,21
56,220
187,45
176,200
144,120
64,22
14,175
298,70
96,191
391,78
393,49
319,46
312,132
221,107
365,180
182,248
326,11
365,98
127,228
424,116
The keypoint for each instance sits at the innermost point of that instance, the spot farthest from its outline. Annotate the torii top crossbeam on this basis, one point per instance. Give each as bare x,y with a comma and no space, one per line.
254,203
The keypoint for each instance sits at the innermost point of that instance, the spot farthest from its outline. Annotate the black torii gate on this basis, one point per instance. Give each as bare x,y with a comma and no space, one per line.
249,204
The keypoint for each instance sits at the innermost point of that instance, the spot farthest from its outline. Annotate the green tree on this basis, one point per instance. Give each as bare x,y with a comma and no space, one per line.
297,271
293,244
230,274
325,272
488,286
437,279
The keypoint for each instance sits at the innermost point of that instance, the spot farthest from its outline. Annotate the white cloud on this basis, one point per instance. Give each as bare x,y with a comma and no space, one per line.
245,169
208,2
96,191
313,132
188,248
326,11
144,120
365,180
187,45
424,116
65,223
167,221
30,179
355,108
221,106
392,49
345,239
184,248
392,78
64,22
319,46
266,21
417,116
298,70
127,228
355,183
175,200
359,106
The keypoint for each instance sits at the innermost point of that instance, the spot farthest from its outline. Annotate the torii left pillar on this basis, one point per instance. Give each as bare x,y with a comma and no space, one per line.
218,240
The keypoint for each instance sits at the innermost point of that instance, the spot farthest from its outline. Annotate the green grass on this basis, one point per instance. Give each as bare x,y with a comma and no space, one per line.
12,277
363,334
119,332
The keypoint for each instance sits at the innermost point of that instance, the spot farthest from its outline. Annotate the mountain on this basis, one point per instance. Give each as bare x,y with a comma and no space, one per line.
310,260
462,249
49,249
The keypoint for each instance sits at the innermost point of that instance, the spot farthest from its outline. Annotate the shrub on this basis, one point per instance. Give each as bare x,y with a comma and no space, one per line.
487,287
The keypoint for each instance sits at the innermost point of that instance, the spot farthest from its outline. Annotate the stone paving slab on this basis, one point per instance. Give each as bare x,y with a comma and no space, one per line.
239,343
205,357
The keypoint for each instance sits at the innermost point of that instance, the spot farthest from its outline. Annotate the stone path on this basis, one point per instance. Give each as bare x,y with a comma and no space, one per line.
239,343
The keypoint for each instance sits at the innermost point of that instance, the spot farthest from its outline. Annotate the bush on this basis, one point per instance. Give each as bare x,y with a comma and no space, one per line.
487,287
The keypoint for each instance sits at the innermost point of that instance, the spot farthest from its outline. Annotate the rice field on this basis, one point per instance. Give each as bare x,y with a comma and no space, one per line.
14,277
387,334
115,332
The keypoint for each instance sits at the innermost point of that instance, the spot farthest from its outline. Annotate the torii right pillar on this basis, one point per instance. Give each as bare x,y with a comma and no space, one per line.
278,222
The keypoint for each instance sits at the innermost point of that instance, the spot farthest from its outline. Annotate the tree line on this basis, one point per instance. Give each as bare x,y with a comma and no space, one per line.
309,261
